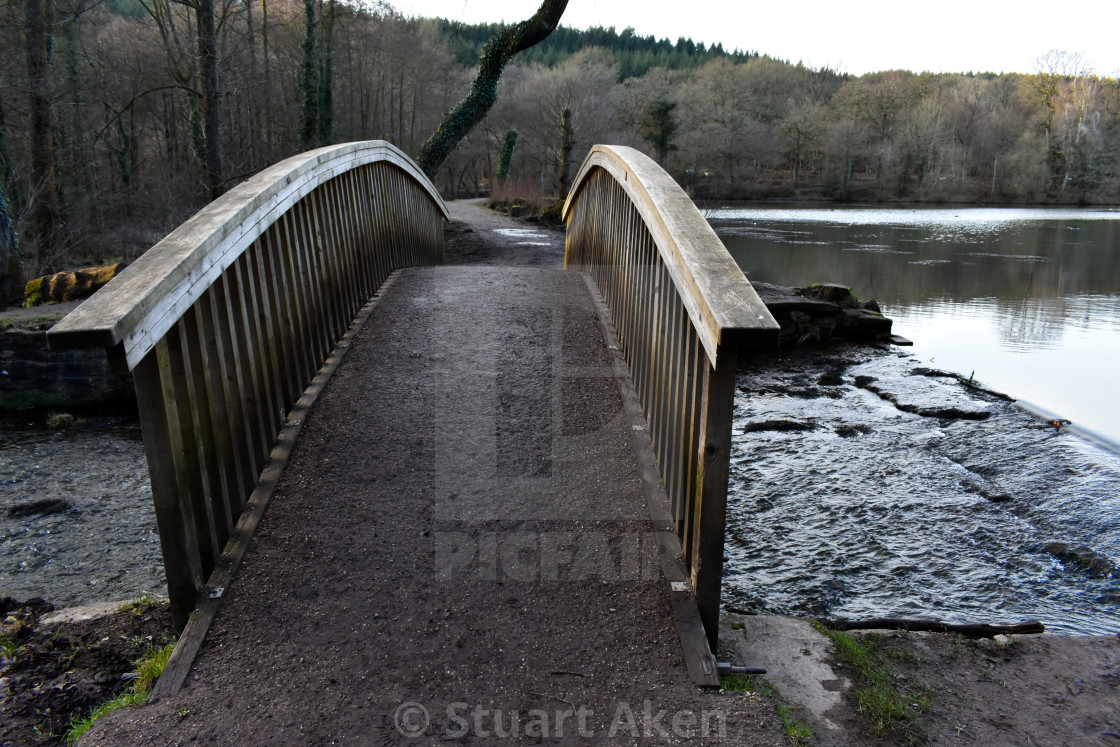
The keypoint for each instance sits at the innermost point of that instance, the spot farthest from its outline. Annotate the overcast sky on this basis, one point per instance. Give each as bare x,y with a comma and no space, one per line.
856,36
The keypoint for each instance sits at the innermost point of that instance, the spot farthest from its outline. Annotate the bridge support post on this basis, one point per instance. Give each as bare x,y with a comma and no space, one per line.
181,560
714,456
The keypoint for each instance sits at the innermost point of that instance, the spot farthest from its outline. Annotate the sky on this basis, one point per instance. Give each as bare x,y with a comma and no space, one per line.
857,36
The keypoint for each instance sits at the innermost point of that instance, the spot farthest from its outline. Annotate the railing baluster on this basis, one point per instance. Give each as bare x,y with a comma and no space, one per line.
228,369
184,448
180,553
257,331
274,320
200,391
311,279
295,291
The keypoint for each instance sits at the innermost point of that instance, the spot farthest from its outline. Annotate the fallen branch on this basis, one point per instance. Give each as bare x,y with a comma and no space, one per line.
972,630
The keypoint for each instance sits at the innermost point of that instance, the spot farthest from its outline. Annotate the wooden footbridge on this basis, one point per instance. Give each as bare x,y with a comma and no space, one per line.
232,325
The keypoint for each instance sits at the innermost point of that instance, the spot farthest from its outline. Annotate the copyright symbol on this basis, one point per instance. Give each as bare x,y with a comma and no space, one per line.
411,719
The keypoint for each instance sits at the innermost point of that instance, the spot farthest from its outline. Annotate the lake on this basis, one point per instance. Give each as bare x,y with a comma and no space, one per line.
1027,298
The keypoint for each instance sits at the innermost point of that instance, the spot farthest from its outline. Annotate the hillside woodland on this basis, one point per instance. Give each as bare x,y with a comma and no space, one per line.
120,118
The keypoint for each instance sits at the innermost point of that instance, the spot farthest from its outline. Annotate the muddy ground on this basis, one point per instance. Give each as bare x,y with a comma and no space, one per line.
52,673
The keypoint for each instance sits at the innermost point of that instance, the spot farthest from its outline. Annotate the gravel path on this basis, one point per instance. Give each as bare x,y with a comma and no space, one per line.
459,549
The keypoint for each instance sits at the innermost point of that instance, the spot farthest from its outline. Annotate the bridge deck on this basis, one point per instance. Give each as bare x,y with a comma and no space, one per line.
461,526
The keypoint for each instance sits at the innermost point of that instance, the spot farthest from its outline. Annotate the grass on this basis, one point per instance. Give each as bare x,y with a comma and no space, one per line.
795,730
60,421
8,649
140,605
148,668
739,683
28,322
887,708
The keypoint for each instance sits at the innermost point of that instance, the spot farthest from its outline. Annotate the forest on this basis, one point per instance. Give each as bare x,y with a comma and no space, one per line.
120,118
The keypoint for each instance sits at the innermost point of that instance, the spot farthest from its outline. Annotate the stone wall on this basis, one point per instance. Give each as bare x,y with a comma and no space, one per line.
31,375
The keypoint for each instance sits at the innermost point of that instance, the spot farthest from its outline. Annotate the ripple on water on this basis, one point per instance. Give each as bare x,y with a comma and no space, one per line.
912,516
103,544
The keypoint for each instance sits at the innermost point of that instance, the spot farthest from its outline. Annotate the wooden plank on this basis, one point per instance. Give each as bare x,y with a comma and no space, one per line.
335,209
311,280
193,499
240,352
256,388
186,649
180,557
716,412
224,363
295,300
675,401
328,273
361,237
278,319
208,435
698,367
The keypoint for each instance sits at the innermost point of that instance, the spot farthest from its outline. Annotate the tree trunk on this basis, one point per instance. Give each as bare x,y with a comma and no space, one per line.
45,217
972,630
10,191
326,75
254,135
267,82
565,153
309,80
10,271
499,50
211,102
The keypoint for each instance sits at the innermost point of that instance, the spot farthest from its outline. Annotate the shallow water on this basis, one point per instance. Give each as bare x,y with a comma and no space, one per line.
873,511
102,545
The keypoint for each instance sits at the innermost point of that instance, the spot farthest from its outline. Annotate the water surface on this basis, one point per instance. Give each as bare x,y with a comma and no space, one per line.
861,509
1027,299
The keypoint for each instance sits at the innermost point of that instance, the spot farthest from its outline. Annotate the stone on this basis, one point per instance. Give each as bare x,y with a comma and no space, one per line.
70,285
821,312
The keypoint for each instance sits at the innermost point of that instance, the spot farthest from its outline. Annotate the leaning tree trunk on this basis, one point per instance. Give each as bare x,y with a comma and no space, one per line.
499,50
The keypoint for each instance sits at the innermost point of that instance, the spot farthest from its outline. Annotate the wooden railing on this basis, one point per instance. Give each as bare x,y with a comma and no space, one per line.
682,310
226,321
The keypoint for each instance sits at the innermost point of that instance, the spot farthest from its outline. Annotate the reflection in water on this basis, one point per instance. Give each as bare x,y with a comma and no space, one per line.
1035,323
1028,299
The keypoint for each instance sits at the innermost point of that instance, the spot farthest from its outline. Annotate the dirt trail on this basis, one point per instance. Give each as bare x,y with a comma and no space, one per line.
459,548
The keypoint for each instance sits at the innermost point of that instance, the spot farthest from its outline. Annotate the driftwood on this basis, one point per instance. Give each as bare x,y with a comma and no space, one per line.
972,630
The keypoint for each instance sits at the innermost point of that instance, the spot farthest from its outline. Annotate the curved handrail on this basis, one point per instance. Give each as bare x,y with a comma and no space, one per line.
138,307
723,307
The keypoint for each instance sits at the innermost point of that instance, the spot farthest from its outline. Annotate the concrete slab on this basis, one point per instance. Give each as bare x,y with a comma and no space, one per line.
83,613
795,656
